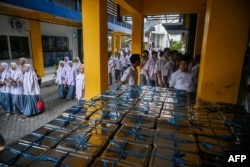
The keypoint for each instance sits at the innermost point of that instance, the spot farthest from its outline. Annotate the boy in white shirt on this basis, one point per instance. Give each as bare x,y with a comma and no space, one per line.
130,76
183,79
110,68
150,70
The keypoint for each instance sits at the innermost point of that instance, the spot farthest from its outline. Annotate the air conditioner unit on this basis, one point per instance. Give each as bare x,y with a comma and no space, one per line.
17,24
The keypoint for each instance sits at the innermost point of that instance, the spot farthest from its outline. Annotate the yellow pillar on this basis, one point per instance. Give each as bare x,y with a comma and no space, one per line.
118,42
137,36
36,46
224,44
113,44
94,14
137,33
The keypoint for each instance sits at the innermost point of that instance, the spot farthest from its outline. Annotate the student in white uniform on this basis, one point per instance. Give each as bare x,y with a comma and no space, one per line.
80,83
60,77
21,62
161,73
144,61
77,63
5,96
69,82
150,69
183,79
16,77
31,91
118,67
169,67
110,69
130,76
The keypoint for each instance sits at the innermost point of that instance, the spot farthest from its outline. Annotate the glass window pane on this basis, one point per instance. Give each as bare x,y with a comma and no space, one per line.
4,53
19,47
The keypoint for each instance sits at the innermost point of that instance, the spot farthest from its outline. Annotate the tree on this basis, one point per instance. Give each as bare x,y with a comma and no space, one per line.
176,45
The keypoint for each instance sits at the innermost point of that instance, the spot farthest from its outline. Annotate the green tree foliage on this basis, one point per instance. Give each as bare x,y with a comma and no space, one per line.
176,45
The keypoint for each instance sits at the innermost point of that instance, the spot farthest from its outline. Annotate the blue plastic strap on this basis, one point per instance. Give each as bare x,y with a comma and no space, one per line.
121,149
42,136
137,133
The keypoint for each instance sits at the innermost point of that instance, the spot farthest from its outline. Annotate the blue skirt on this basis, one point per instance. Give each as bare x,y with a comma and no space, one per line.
61,91
30,105
17,102
5,101
71,92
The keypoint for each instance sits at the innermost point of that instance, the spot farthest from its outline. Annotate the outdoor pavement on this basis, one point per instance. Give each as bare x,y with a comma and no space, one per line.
14,127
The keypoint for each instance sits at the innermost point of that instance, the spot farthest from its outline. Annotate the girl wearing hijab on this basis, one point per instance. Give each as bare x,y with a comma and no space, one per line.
16,78
21,62
80,83
69,82
31,91
60,77
5,96
77,63
66,60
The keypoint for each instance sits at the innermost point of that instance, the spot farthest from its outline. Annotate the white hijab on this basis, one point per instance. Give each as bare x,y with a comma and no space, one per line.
30,82
15,74
77,64
6,72
70,74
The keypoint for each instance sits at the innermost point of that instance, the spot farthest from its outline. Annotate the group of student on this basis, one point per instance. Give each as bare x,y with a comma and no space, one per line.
70,79
19,88
167,68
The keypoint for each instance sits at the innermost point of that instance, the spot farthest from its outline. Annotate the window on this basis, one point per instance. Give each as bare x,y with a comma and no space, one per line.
19,47
4,53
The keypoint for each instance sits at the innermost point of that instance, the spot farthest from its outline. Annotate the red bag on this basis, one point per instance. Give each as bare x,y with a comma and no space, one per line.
40,105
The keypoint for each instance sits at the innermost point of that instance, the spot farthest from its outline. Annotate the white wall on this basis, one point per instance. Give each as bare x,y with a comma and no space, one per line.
62,31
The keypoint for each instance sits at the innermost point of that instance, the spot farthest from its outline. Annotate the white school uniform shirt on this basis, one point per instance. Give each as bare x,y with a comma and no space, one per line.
4,77
183,81
124,61
70,75
130,76
30,82
160,66
143,65
169,69
128,60
118,63
80,86
110,65
150,67
17,76
195,70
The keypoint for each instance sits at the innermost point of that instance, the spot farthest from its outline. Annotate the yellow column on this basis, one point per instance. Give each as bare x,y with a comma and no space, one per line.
224,44
36,46
118,42
137,33
94,14
113,44
137,36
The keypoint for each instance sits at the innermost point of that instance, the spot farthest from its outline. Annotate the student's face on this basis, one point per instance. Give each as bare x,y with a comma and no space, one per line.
81,70
183,66
20,62
70,64
1,69
12,67
61,64
154,56
25,68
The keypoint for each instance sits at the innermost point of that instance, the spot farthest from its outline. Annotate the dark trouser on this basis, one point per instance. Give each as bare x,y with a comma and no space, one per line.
143,80
110,78
117,75
150,82
71,92
165,80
